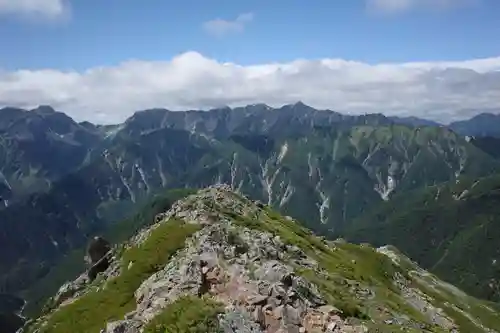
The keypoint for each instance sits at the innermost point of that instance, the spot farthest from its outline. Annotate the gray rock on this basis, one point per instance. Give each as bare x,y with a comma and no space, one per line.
264,287
278,312
69,290
273,271
291,316
308,292
278,291
259,317
130,315
100,266
124,326
238,322
329,309
331,327
97,248
258,299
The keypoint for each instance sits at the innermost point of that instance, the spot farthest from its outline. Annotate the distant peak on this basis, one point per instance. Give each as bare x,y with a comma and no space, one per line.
486,115
262,105
300,104
44,109
297,105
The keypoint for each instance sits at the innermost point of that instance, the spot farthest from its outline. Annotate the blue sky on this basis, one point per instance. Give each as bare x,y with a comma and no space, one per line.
106,32
172,54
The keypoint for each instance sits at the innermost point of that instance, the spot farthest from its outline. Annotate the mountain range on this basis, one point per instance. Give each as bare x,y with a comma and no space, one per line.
340,175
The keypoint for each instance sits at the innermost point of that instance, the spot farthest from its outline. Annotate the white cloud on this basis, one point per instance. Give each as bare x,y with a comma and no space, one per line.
440,91
35,8
397,6
220,27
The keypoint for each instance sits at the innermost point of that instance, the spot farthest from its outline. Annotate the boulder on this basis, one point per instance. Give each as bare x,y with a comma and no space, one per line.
99,256
97,248
124,326
100,266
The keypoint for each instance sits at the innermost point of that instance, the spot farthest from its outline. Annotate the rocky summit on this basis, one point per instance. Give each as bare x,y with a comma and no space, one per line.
219,262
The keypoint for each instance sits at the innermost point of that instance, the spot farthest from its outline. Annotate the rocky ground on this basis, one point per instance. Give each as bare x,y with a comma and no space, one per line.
266,274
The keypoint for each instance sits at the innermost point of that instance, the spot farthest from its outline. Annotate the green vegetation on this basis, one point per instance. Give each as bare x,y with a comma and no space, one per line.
187,314
90,312
452,229
348,265
442,300
359,281
159,203
352,268
350,156
72,264
344,160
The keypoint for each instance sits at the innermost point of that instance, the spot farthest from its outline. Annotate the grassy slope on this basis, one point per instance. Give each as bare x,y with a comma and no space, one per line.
351,263
456,239
348,266
90,312
73,264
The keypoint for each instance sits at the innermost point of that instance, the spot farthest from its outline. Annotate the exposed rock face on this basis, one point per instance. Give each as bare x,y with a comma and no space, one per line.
271,280
254,284
98,247
99,256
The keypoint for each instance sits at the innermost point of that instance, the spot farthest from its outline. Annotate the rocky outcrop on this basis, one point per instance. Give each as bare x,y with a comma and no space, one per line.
251,272
260,292
270,276
100,266
97,249
98,256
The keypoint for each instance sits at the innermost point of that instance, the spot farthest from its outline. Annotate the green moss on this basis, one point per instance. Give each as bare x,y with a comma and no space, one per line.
187,314
90,312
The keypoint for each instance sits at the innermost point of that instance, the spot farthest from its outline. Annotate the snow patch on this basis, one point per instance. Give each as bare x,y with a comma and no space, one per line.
385,189
143,176
283,151
112,132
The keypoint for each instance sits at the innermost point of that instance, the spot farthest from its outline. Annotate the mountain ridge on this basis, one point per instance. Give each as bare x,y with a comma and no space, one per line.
483,124
260,272
37,148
